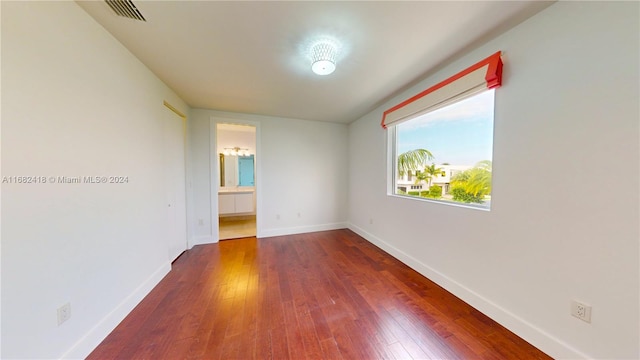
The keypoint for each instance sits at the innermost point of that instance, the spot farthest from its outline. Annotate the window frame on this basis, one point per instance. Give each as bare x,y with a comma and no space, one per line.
421,104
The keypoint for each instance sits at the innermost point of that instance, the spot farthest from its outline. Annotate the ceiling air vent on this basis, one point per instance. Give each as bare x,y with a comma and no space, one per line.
125,8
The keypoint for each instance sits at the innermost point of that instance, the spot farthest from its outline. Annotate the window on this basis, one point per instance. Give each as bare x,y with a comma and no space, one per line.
447,130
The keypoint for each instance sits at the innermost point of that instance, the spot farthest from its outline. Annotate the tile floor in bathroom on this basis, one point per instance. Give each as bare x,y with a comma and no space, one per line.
234,227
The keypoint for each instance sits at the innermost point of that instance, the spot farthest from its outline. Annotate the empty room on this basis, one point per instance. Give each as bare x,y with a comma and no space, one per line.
320,180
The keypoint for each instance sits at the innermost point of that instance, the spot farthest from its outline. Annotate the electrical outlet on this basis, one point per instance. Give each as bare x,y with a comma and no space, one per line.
581,311
200,222
299,215
64,313
277,216
371,221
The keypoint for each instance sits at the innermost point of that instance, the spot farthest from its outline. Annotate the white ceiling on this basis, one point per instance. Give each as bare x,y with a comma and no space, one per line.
248,56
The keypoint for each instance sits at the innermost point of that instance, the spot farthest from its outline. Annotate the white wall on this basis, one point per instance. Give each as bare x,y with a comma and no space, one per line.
301,168
568,109
76,102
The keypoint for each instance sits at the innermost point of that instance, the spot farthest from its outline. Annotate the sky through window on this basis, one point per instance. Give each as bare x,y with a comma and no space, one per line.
458,134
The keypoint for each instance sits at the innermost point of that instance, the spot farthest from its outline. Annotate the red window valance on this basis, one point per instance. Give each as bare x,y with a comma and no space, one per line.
486,74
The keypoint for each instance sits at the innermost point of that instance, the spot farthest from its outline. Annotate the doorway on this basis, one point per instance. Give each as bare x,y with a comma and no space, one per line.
236,153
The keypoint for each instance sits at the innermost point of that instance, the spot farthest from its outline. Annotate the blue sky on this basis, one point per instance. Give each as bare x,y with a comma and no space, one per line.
459,134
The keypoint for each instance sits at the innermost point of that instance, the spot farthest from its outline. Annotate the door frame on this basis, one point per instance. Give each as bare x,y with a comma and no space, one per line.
214,172
182,116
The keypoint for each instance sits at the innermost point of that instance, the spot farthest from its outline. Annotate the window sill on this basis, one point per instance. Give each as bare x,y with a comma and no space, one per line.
444,202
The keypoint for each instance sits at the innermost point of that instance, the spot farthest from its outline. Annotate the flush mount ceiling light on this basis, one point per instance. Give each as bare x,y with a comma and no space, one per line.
323,55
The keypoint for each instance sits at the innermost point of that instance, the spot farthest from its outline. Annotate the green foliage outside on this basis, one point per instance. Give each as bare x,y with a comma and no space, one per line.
460,195
435,192
412,160
431,172
471,186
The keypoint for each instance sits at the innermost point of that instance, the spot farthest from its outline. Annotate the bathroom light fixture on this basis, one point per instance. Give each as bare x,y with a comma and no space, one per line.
323,55
237,151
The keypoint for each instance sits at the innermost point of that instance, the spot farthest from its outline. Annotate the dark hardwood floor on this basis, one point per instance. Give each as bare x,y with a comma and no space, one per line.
325,295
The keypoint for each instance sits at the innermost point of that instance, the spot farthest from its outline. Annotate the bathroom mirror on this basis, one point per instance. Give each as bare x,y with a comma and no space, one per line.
236,170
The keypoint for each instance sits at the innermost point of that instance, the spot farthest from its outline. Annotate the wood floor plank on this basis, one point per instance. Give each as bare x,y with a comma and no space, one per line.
330,349
325,295
397,351
312,347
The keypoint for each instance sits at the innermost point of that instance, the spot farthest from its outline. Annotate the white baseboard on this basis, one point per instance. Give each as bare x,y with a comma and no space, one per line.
201,240
544,341
92,339
301,229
